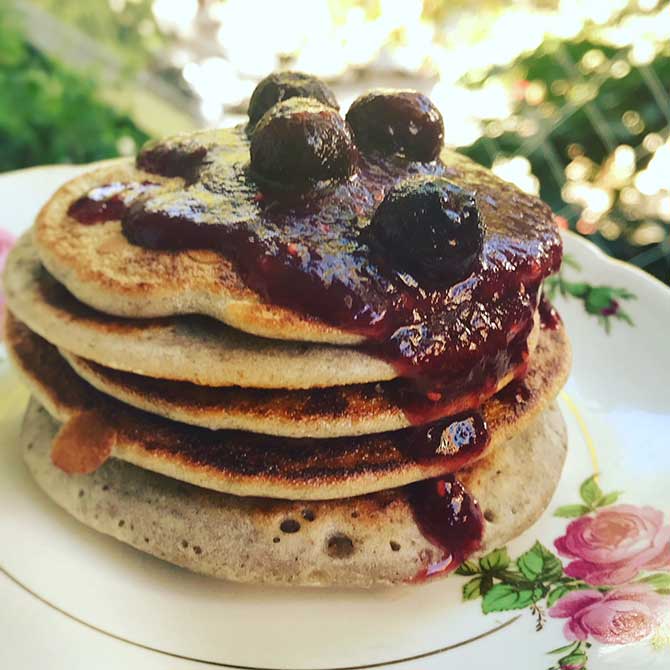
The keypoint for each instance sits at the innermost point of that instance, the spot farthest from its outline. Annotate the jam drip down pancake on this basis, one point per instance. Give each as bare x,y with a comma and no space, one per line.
189,348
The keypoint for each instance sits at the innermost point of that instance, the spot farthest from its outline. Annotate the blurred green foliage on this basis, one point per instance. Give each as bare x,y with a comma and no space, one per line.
590,125
127,28
50,114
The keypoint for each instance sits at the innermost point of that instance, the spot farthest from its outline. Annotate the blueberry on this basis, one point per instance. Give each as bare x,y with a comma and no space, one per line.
284,85
300,142
404,123
428,227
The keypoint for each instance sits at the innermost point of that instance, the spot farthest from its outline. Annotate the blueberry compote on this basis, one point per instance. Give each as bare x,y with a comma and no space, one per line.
443,509
449,301
447,515
445,512
306,251
108,202
458,439
550,319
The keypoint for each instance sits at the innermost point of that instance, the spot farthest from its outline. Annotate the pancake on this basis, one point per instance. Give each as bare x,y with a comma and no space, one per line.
257,465
103,269
366,541
321,413
187,348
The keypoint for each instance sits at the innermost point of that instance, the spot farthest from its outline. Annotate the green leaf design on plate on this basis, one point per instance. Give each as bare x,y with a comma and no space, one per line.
486,585
571,261
593,497
623,293
577,289
539,564
556,594
599,298
503,597
536,579
472,589
609,499
659,581
578,659
496,560
563,649
603,302
512,577
477,587
572,511
468,568
590,492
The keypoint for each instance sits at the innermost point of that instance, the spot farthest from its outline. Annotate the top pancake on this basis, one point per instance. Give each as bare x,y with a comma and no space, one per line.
188,348
101,268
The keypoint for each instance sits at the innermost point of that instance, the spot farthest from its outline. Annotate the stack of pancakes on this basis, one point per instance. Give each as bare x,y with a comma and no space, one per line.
178,410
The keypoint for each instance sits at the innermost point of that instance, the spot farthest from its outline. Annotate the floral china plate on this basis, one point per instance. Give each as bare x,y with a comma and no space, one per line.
588,586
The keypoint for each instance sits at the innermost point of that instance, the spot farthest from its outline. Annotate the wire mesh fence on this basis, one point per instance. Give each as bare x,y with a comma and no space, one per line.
593,139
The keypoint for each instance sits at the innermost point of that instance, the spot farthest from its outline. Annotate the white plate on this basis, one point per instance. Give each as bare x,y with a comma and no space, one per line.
74,598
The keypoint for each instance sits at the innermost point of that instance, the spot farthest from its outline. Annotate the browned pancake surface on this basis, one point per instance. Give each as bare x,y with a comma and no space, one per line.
248,464
360,541
324,413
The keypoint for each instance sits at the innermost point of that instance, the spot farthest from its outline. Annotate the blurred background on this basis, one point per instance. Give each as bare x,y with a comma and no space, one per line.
569,99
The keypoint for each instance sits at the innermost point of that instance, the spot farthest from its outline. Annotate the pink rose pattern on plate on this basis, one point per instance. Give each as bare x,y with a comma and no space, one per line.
623,615
615,544
6,242
614,590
